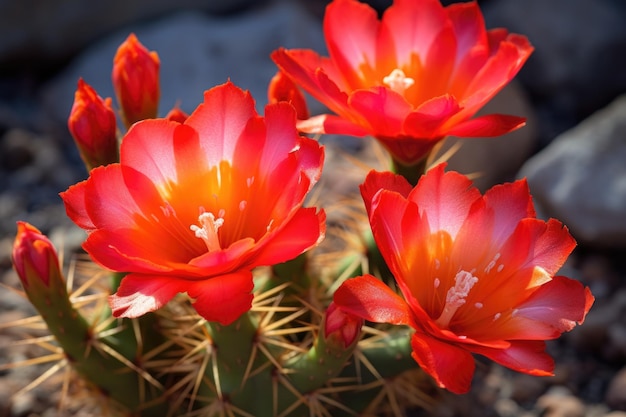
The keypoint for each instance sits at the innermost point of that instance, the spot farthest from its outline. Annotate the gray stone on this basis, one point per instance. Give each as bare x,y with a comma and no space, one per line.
616,392
38,31
196,52
577,66
581,177
559,402
603,332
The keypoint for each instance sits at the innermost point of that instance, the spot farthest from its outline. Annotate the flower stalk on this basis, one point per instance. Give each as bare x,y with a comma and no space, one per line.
37,265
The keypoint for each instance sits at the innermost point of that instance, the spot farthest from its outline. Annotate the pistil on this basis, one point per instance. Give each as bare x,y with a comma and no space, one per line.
398,81
208,231
456,297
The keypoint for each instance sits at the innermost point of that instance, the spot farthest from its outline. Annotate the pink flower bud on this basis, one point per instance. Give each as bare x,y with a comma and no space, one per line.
34,256
177,115
136,81
282,88
342,326
93,127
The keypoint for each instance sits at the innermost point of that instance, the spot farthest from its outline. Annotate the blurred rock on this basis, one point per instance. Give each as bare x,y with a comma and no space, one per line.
604,329
33,172
527,388
197,52
497,160
578,63
616,392
559,402
40,32
581,178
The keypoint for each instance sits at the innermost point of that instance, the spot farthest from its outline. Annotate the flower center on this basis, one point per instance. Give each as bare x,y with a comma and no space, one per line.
208,231
456,296
398,81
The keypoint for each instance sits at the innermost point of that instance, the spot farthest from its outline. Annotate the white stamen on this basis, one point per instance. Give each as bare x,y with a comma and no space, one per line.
437,264
167,209
437,282
398,81
497,316
242,205
500,268
492,263
456,296
478,305
462,337
250,181
208,231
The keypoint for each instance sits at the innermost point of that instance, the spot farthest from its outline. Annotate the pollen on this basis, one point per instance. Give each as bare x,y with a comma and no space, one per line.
398,81
456,296
208,231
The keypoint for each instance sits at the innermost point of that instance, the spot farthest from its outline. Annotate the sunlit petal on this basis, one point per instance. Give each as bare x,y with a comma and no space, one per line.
439,65
194,207
476,273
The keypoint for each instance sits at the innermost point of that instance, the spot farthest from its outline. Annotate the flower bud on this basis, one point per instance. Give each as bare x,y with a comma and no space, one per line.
93,127
341,326
136,81
282,88
177,115
34,258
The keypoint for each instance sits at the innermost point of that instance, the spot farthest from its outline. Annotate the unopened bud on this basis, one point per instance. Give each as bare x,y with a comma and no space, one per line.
136,81
342,326
177,115
282,88
93,127
34,257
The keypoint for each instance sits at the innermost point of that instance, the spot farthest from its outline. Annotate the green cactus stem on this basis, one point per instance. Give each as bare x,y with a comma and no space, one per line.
96,359
309,371
412,173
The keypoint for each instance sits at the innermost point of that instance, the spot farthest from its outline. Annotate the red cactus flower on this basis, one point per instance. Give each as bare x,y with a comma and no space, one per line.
93,127
410,79
193,207
476,274
136,81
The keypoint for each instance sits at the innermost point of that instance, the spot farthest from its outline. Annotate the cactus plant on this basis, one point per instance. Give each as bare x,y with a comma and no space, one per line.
211,291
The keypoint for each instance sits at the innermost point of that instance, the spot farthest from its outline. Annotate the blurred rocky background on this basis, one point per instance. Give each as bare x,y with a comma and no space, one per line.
573,152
